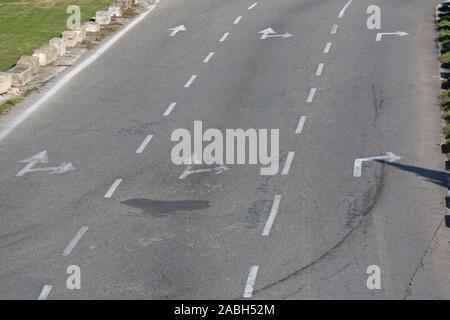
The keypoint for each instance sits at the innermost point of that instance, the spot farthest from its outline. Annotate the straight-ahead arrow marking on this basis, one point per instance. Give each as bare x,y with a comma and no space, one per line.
398,33
176,30
357,167
270,33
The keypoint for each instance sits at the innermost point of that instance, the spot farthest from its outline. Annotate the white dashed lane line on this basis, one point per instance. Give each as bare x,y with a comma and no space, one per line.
252,6
300,125
113,188
334,29
287,163
75,240
45,292
237,20
327,48
208,57
341,14
320,69
190,81
248,292
144,143
169,109
311,95
225,35
272,215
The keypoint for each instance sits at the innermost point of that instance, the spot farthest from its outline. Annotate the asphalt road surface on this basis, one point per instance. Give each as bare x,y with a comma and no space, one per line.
138,231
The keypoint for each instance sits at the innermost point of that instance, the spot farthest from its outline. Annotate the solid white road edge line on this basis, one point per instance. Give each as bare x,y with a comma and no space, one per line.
300,125
320,69
248,292
208,57
113,188
287,164
144,143
225,35
327,48
311,95
341,14
29,111
237,20
252,6
75,240
190,81
45,292
170,108
272,215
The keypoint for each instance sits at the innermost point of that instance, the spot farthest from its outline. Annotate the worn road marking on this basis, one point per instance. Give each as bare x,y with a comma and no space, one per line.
341,14
300,125
208,57
287,164
29,111
75,240
144,143
237,20
169,109
248,292
320,69
190,81
272,215
311,95
334,29
113,188
252,6
225,35
45,292
327,48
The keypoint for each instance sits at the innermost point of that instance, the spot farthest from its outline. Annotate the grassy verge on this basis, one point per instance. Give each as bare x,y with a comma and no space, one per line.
26,25
10,103
443,27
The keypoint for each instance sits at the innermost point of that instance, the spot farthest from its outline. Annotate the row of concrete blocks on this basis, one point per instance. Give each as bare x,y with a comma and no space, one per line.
27,66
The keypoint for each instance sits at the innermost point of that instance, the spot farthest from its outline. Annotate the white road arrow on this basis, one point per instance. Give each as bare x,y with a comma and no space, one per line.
270,33
42,157
176,30
389,157
217,170
398,33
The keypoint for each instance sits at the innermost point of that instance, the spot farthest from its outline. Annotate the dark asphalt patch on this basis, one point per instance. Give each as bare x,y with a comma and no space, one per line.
162,207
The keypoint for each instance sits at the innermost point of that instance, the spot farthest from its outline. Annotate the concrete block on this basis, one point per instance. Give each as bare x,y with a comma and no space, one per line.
32,62
115,10
73,37
21,75
46,54
102,17
59,44
124,4
5,82
92,26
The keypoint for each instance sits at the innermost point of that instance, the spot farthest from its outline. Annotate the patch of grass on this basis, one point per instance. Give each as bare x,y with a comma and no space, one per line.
26,25
10,103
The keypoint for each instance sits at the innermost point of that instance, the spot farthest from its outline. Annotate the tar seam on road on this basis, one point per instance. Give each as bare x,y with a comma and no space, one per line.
300,125
113,188
208,57
225,35
248,292
144,143
29,111
190,81
311,95
287,163
327,48
75,240
272,215
45,292
170,108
